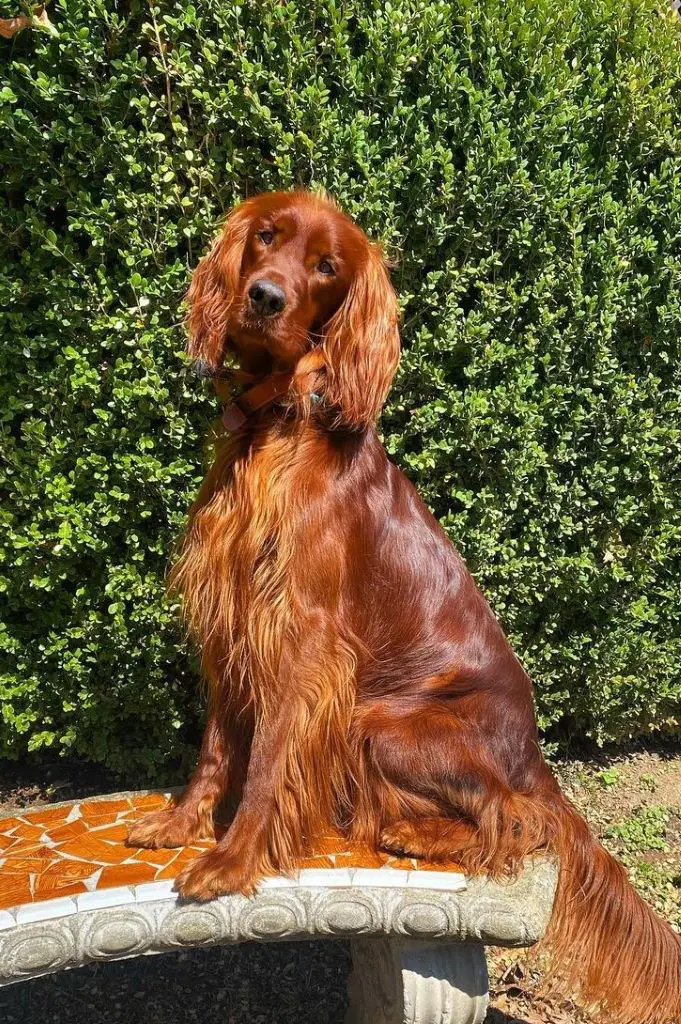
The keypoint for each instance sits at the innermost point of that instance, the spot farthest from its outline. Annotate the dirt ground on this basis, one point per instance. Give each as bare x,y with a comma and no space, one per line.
633,802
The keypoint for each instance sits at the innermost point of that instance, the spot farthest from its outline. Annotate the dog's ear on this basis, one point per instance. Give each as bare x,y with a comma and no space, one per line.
214,289
361,345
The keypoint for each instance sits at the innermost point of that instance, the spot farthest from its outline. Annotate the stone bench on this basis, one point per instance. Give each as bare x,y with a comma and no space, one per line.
71,893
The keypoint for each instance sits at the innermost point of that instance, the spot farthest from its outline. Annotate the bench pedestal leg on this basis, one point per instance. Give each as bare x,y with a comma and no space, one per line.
404,981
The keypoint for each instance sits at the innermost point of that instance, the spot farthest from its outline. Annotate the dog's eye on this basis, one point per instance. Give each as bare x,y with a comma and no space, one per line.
325,268
265,237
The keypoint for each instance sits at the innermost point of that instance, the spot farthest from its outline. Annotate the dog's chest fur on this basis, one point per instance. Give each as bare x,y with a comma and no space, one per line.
239,557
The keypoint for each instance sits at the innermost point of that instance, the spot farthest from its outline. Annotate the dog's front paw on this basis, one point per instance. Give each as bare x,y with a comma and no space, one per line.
217,873
169,828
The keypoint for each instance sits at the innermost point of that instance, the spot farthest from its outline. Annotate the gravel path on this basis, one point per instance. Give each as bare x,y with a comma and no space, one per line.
287,983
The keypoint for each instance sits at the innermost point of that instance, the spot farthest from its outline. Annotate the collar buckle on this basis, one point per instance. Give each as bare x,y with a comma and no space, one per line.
260,396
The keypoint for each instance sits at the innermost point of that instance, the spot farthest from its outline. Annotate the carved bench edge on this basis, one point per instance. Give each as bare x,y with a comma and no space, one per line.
513,913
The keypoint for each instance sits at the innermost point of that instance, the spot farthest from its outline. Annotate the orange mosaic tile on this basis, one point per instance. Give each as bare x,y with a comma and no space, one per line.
46,816
360,857
316,862
9,824
76,848
95,850
184,853
15,889
24,865
63,833
66,871
99,811
112,833
149,801
26,850
126,874
331,844
158,857
442,865
48,889
407,864
171,870
26,831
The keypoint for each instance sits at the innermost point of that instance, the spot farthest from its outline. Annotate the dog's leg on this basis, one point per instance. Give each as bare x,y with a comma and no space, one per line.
191,818
440,793
296,773
237,861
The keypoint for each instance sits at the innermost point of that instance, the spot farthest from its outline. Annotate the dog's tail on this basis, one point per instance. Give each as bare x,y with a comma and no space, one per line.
606,943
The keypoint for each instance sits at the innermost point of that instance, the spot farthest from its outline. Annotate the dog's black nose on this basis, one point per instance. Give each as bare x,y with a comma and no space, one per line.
267,298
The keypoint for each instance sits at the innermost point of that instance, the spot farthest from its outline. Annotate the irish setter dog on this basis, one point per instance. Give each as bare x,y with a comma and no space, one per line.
357,677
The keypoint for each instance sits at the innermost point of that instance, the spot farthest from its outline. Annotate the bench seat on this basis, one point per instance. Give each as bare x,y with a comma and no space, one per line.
72,893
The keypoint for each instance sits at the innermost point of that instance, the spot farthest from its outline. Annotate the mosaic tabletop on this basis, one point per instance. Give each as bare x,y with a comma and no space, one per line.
77,850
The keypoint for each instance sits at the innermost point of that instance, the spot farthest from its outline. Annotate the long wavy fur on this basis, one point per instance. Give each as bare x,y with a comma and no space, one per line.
316,583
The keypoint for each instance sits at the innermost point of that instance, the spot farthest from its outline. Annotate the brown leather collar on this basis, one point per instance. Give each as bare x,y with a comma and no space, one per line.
258,397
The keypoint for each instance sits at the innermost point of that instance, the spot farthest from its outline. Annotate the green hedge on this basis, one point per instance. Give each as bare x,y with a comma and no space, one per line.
523,160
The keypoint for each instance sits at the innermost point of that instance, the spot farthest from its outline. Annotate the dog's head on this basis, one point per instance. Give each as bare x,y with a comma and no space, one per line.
293,284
